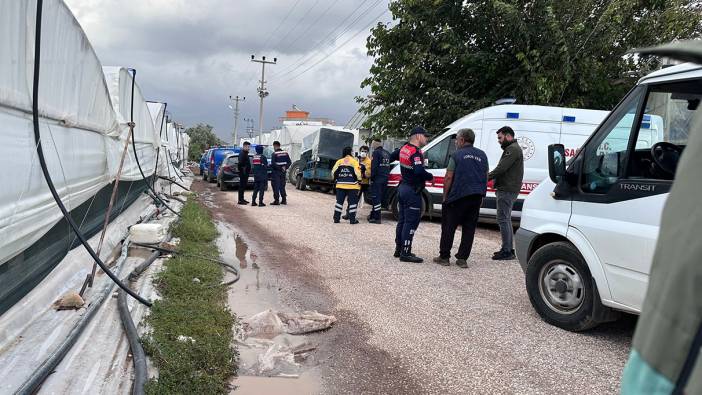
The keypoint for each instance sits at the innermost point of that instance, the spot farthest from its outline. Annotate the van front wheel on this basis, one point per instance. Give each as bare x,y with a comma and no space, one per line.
562,290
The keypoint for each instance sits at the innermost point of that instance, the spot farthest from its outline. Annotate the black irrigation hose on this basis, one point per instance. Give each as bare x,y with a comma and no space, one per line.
44,167
174,182
231,268
136,156
141,374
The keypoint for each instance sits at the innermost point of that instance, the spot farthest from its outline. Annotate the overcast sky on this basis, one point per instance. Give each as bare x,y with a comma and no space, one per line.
195,53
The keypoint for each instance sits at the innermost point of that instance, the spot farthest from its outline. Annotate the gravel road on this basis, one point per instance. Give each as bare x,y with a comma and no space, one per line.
419,328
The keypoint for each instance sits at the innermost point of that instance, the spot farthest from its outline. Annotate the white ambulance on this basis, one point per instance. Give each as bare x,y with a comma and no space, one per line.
536,127
588,233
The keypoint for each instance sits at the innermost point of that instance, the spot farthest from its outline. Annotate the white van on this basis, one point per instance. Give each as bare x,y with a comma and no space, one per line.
588,233
536,127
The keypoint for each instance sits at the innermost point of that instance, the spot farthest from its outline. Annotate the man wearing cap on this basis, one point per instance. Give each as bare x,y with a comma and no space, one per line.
414,177
464,188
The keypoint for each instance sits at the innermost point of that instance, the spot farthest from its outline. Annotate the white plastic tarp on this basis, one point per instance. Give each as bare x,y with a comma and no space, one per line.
119,84
77,121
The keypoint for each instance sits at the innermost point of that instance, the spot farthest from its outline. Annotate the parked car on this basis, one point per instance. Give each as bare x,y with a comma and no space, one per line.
536,127
228,173
588,233
212,161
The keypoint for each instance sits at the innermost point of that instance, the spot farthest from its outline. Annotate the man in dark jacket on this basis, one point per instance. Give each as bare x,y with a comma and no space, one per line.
280,162
244,167
464,188
508,182
260,171
380,170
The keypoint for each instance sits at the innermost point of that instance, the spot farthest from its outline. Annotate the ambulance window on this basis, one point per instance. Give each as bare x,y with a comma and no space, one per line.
606,154
437,155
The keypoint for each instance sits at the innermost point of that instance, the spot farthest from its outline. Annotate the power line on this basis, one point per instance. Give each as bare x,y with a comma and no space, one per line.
311,25
337,48
305,58
284,36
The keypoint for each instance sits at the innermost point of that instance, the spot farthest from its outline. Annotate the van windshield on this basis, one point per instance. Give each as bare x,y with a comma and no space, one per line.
658,140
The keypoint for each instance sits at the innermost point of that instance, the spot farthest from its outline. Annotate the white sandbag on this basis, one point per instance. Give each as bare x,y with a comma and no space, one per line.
147,233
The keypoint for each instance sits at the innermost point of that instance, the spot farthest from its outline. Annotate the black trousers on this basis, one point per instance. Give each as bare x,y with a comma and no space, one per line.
243,180
464,212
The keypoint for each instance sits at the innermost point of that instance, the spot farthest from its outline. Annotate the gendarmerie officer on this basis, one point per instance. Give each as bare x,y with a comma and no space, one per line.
280,162
414,177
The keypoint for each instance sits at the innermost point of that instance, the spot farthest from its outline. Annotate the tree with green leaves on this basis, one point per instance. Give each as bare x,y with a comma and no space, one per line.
202,137
443,59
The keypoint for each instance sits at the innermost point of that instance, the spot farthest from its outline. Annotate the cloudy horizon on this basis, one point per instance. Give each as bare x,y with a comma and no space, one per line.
196,56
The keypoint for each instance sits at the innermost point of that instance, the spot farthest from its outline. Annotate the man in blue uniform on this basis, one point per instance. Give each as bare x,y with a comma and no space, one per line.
380,168
244,167
259,164
280,162
464,188
414,177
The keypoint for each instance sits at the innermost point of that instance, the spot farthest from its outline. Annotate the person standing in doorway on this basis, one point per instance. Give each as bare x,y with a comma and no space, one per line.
244,167
380,170
508,182
347,175
414,177
260,172
465,186
280,162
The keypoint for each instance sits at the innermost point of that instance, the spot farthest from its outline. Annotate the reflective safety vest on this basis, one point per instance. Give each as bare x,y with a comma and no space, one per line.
366,162
347,173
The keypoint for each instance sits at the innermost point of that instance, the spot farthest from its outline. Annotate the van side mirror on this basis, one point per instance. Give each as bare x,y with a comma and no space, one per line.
556,162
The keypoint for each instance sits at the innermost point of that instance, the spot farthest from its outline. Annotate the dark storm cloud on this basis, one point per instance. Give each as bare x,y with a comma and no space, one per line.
194,54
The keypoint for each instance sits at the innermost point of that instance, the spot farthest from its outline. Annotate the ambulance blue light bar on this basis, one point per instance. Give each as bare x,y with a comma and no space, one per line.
568,118
512,115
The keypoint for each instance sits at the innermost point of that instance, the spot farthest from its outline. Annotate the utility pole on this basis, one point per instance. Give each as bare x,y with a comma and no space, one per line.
262,92
236,101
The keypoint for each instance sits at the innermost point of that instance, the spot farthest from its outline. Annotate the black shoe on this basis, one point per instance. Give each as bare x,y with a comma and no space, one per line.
397,254
244,202
374,221
442,261
411,258
275,203
345,217
504,256
496,253
254,204
261,204
284,202
462,263
336,221
354,222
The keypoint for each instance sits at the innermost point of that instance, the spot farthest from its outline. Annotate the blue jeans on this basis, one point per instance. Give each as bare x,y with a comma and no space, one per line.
505,201
410,214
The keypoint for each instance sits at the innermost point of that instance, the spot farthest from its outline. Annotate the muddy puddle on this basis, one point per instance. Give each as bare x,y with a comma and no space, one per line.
257,291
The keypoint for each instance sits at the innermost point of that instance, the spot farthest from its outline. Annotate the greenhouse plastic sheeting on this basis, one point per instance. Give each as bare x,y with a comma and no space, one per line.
83,131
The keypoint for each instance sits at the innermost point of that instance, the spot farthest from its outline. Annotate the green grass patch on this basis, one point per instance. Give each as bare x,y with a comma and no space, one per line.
193,309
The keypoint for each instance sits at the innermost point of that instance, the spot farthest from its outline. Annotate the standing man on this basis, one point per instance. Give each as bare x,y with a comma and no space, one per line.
465,186
380,169
347,174
280,162
260,172
508,182
365,163
414,177
244,167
